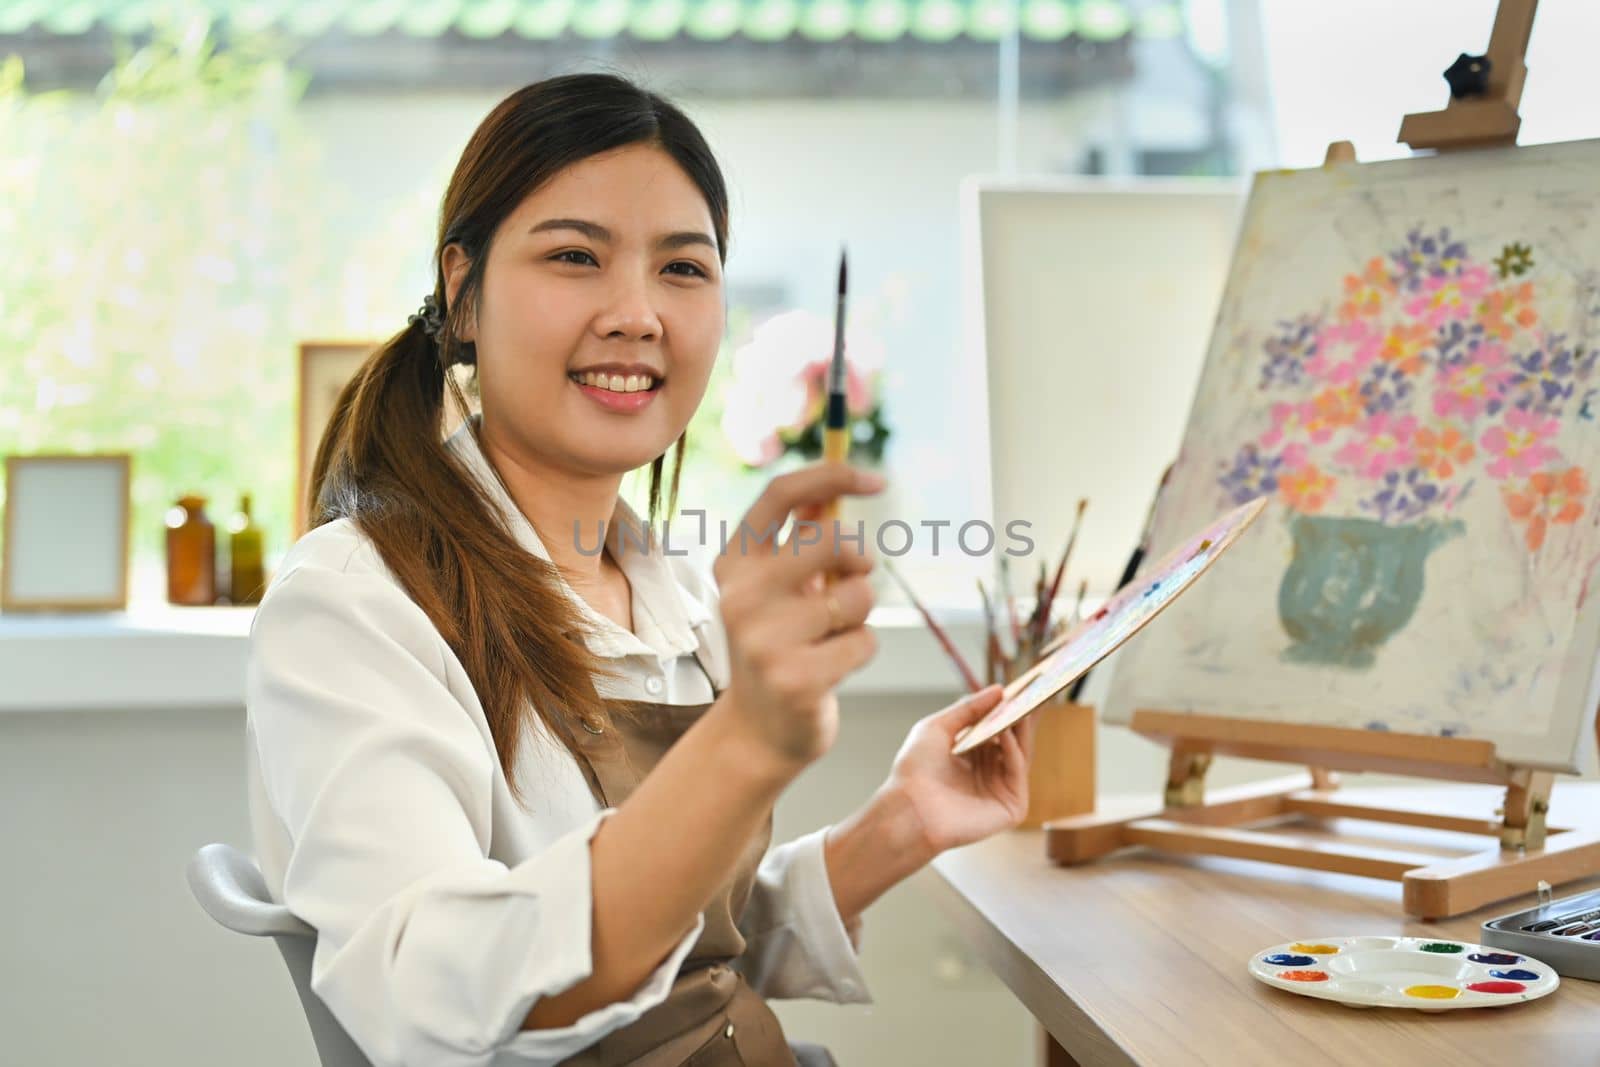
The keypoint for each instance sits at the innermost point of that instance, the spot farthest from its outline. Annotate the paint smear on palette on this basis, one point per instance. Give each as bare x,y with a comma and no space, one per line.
1304,976
1318,950
1284,959
1124,615
1497,987
1443,947
1433,992
1516,974
1499,959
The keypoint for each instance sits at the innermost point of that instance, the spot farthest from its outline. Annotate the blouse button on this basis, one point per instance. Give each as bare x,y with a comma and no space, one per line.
653,684
729,1031
593,728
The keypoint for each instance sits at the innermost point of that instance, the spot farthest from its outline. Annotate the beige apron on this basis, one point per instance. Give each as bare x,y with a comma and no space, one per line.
711,1018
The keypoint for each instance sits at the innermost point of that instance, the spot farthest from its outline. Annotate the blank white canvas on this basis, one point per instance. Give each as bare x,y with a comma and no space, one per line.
1096,299
66,529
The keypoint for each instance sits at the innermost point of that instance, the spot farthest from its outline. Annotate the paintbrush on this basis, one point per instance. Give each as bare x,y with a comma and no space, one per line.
836,424
967,677
996,660
1010,601
1061,568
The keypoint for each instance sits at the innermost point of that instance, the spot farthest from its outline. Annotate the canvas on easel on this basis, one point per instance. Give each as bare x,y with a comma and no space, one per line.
1405,360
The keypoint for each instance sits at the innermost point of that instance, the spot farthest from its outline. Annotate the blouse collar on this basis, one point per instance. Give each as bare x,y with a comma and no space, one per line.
665,614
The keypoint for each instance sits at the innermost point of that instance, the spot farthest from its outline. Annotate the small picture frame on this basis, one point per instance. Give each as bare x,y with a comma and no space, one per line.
325,368
66,533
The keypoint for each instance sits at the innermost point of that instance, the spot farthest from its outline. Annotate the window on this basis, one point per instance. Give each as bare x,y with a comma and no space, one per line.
186,198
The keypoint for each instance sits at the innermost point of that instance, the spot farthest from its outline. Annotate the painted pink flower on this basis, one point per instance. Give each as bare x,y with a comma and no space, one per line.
1382,443
1345,350
1466,389
1446,297
1520,445
1288,422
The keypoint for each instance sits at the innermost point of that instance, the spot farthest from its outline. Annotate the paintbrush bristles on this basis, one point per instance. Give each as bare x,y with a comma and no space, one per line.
1066,554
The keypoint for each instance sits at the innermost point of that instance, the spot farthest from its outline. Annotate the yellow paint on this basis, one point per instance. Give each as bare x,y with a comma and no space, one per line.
1434,992
1315,950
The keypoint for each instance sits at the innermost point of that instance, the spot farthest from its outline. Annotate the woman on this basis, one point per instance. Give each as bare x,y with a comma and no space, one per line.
522,786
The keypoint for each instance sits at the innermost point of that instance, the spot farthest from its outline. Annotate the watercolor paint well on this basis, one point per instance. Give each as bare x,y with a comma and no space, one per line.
1289,959
1307,949
1541,927
1499,988
1499,959
1401,968
1443,948
1303,976
1433,992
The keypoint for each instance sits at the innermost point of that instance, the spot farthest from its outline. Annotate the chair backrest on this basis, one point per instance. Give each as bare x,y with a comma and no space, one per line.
229,886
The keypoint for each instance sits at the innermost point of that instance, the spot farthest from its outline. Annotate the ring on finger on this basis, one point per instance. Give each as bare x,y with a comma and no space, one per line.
835,613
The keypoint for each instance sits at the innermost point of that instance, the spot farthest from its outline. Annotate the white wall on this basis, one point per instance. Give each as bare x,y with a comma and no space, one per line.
1350,71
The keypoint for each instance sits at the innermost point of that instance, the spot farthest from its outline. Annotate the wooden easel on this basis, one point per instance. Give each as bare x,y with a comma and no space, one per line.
1527,850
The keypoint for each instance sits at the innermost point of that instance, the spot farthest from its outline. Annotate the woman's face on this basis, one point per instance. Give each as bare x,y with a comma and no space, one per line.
600,314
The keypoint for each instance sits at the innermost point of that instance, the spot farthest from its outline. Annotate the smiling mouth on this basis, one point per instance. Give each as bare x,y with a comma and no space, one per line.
618,383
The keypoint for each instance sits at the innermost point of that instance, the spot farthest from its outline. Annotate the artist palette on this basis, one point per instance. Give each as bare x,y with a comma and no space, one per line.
1427,974
1124,615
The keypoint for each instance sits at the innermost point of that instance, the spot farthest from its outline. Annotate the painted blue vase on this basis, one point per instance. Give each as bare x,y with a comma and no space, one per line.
1353,584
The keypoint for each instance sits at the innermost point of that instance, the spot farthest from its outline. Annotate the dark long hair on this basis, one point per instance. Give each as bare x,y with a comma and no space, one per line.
382,461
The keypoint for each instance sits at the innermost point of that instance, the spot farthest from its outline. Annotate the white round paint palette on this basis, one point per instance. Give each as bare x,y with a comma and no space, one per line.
1425,974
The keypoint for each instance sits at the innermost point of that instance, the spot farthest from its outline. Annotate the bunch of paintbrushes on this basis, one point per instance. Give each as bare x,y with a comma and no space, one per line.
1012,644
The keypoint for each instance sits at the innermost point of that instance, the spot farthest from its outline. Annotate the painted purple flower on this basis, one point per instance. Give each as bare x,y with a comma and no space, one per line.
1427,255
1456,342
1288,350
1385,387
1403,496
1546,378
1253,473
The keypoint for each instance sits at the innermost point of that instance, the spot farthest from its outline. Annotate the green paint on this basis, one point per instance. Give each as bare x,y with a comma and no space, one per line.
1441,946
1353,584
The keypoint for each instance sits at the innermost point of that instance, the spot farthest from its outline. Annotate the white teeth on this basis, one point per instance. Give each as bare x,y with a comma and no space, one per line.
616,383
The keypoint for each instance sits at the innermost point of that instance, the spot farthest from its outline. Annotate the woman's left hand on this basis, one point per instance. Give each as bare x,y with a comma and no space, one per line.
961,799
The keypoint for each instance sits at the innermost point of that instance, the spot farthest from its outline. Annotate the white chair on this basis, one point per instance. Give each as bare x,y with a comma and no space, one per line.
229,886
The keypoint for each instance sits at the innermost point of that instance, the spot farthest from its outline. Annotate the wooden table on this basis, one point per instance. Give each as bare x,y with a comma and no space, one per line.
1141,958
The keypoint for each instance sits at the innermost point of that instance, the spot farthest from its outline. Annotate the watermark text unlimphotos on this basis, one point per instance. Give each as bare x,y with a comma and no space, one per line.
892,537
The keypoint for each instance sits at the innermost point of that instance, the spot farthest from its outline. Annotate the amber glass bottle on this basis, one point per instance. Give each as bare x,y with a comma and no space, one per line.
246,570
191,554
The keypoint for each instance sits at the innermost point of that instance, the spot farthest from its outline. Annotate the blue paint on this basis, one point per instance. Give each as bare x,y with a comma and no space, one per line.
1516,975
1284,959
1500,958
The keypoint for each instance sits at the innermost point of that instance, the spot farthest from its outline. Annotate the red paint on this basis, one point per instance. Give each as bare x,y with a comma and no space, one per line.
1497,987
1314,976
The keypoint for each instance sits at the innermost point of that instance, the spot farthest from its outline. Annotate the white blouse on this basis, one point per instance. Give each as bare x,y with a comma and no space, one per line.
444,908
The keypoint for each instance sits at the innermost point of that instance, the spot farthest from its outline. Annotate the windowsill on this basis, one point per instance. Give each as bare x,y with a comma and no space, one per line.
158,657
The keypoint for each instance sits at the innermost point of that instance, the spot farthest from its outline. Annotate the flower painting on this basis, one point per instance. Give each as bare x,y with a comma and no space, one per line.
1405,363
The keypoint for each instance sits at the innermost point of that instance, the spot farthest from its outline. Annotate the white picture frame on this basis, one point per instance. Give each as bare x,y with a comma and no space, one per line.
66,533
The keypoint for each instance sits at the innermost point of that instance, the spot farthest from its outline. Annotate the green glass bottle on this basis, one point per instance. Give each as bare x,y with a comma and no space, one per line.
247,577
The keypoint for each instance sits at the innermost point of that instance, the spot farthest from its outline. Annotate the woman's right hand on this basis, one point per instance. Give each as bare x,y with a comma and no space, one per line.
788,647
